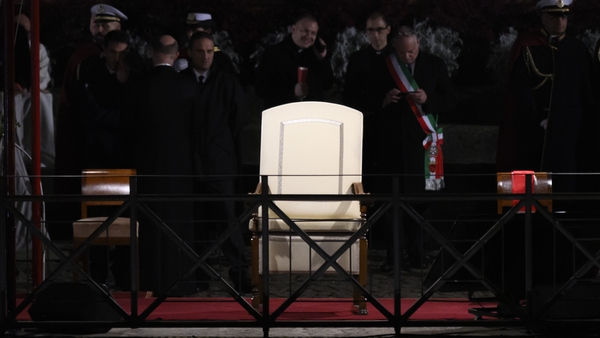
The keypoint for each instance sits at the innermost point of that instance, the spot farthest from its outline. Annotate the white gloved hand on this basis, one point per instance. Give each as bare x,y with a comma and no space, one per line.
180,64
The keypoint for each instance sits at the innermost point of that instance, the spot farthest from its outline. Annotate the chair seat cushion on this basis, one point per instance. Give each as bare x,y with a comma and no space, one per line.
303,259
310,225
116,234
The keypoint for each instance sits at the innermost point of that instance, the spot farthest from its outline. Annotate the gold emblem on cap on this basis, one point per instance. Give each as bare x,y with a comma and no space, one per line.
101,9
560,4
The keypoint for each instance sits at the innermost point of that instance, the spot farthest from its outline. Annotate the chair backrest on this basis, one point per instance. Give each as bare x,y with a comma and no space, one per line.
104,182
312,148
542,184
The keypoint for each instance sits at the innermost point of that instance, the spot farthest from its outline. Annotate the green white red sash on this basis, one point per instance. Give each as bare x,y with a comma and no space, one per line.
434,160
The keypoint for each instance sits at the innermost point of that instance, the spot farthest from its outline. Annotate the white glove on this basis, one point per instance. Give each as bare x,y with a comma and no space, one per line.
180,64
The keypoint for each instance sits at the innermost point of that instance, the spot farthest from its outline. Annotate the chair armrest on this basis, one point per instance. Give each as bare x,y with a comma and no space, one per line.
357,189
258,189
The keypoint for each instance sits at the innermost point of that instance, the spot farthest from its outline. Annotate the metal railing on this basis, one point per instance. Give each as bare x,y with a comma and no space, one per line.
529,314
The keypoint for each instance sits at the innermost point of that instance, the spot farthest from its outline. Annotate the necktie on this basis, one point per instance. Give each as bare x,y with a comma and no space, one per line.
201,80
409,66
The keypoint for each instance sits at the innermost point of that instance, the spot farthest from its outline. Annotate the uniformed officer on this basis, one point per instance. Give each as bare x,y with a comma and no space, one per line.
69,131
551,97
104,19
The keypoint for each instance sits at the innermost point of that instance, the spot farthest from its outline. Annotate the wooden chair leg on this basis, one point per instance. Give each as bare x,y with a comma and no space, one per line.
255,278
360,303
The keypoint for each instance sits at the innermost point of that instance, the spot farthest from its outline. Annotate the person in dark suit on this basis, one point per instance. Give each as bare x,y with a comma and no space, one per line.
224,116
414,87
277,80
101,97
359,76
359,80
203,22
69,133
164,131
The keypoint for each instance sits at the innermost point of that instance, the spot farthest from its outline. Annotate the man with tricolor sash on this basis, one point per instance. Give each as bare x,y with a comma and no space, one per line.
414,88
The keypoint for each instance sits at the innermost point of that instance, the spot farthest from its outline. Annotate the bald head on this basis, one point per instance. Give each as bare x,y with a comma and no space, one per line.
23,20
165,49
406,44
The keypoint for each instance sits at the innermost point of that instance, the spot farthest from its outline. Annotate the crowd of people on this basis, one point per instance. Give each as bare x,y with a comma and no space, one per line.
181,115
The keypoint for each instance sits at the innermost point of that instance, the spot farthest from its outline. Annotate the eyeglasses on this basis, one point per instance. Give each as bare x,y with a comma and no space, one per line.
407,33
376,30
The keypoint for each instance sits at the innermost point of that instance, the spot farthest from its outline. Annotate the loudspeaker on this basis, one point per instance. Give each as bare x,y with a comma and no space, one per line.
72,301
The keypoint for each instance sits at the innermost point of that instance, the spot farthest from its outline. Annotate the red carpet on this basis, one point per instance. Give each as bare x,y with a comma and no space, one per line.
213,309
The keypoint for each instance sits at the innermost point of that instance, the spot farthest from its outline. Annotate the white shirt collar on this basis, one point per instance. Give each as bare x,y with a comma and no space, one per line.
205,74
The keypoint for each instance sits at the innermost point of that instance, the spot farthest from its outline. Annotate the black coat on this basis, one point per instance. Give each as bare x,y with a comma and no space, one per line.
101,102
163,124
565,101
399,137
277,74
359,77
164,132
224,114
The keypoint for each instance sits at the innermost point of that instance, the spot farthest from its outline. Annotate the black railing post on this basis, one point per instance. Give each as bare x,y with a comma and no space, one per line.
134,251
265,255
397,247
528,245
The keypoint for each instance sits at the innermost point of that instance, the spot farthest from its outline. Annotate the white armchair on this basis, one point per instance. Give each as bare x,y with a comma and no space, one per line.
311,148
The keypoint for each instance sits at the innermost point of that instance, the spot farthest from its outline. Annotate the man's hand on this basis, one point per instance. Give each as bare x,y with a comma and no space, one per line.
301,90
391,97
321,51
419,97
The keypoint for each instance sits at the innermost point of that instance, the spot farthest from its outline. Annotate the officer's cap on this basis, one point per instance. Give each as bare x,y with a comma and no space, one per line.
199,20
106,13
555,7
